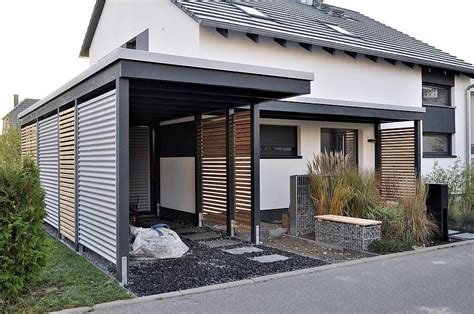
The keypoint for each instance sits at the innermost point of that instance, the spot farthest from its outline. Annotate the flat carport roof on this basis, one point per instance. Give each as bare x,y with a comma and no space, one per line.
166,87
306,108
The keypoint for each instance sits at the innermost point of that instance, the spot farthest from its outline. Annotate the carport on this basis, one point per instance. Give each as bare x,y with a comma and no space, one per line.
84,136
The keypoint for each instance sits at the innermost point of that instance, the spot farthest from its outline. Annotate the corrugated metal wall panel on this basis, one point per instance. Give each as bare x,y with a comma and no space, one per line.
140,167
96,145
48,166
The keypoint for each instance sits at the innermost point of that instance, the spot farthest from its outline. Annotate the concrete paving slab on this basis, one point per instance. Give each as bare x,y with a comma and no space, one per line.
463,236
201,236
243,250
219,243
269,258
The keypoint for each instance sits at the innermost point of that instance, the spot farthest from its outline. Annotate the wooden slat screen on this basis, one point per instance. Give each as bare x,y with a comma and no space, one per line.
29,141
398,172
67,195
242,153
213,169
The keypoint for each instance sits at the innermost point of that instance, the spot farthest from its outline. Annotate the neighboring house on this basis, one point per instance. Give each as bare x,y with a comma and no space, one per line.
10,120
210,106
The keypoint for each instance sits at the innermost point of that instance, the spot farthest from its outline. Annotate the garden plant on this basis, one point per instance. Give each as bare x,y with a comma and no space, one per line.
338,188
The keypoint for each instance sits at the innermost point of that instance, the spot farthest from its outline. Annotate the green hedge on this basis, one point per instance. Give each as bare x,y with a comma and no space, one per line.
22,239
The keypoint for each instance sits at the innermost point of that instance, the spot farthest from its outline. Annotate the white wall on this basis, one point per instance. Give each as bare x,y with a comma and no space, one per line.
460,149
336,77
177,183
275,173
170,29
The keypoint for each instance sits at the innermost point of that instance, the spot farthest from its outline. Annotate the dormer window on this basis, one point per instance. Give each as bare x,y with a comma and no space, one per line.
252,11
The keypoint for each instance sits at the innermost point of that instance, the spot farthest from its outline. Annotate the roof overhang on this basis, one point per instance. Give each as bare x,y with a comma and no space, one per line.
94,21
162,74
338,110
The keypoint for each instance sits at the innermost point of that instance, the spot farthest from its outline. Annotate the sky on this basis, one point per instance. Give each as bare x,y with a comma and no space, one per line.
40,40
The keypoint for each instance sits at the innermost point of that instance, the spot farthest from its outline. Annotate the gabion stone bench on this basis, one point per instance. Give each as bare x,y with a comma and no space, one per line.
346,232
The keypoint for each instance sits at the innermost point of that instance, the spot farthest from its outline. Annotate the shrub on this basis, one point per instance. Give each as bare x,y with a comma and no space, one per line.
390,246
10,148
22,240
460,183
390,218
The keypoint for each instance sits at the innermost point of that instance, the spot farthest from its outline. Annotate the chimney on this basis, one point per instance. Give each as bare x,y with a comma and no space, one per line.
15,99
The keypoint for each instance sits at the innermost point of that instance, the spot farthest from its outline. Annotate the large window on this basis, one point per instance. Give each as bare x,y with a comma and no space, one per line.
436,95
278,141
340,140
436,144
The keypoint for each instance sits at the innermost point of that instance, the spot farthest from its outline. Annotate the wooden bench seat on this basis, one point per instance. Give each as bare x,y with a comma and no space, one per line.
348,220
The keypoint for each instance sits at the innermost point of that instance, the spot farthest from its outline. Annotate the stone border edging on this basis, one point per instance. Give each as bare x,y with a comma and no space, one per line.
294,273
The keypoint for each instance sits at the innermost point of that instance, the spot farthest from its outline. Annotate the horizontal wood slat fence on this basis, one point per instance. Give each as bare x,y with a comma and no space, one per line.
67,195
212,147
29,141
398,164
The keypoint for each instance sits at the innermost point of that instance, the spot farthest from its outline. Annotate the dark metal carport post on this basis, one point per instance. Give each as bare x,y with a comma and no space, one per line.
255,171
122,178
418,146
197,170
230,173
378,148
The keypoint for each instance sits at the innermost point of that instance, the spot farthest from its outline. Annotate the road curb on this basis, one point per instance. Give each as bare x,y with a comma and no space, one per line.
244,282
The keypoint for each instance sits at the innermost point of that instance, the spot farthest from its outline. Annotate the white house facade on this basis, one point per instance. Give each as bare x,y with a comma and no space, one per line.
203,110
339,78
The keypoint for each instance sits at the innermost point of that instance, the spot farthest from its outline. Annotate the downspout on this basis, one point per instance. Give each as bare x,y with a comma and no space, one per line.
468,124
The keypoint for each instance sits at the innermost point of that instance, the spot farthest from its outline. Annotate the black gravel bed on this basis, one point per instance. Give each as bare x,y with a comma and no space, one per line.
203,266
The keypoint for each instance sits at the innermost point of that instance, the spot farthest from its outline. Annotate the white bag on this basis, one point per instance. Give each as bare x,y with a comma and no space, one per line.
157,242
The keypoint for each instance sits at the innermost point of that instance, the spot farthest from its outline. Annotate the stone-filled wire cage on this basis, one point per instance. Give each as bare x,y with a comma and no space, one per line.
301,206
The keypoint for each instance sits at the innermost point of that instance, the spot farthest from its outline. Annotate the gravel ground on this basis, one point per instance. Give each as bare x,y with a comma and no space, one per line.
202,266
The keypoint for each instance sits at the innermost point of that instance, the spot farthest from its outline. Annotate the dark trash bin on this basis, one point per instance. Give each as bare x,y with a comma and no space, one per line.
437,207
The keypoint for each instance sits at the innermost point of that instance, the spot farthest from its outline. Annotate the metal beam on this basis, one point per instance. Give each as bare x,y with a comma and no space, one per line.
409,64
95,82
253,37
122,178
255,172
351,54
329,50
308,47
230,172
224,32
198,170
281,42
238,84
372,58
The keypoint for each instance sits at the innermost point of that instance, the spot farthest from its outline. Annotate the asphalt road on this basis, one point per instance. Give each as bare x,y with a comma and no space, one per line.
439,281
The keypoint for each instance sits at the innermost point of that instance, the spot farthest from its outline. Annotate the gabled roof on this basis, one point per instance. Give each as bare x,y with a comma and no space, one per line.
293,21
13,114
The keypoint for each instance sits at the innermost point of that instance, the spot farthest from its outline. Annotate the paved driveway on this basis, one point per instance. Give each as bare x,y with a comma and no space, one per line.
440,281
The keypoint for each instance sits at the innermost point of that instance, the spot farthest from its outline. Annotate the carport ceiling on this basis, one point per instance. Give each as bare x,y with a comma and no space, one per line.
152,101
